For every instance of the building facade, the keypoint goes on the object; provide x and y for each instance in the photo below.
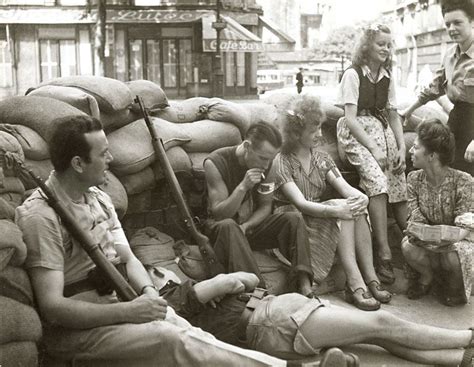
(420, 39)
(171, 42)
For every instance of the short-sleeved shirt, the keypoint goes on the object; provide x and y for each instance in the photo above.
(51, 246)
(287, 168)
(348, 89)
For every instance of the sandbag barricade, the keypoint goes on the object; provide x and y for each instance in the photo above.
(183, 111)
(114, 188)
(218, 109)
(37, 113)
(154, 98)
(33, 145)
(132, 148)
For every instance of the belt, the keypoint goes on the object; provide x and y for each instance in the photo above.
(253, 299)
(80, 286)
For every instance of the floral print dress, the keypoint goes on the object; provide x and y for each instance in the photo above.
(441, 204)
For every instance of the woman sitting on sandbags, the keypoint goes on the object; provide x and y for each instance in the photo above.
(302, 173)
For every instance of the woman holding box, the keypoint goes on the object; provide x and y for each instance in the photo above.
(437, 195)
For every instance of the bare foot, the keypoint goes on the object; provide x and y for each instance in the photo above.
(218, 286)
(250, 280)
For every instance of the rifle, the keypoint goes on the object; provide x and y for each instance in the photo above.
(213, 266)
(117, 281)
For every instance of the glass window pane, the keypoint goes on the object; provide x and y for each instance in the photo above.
(169, 63)
(49, 62)
(229, 69)
(120, 56)
(6, 73)
(240, 59)
(153, 61)
(136, 60)
(185, 62)
(67, 52)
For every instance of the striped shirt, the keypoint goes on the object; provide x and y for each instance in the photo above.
(455, 78)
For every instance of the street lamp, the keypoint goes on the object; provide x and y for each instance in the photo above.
(218, 25)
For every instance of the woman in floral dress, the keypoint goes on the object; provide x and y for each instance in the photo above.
(301, 174)
(371, 135)
(438, 194)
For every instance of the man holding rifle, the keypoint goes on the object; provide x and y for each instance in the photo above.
(83, 316)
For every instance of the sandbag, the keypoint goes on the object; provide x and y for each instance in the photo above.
(197, 160)
(424, 112)
(7, 210)
(37, 113)
(152, 246)
(42, 169)
(12, 184)
(183, 111)
(8, 144)
(139, 181)
(221, 110)
(19, 322)
(75, 97)
(33, 145)
(132, 148)
(21, 354)
(117, 119)
(15, 284)
(208, 135)
(280, 100)
(190, 260)
(12, 238)
(333, 113)
(154, 98)
(262, 112)
(179, 161)
(111, 94)
(140, 203)
(114, 188)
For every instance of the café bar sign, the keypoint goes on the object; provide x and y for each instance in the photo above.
(232, 45)
(154, 16)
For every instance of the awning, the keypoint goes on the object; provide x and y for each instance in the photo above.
(274, 39)
(45, 16)
(233, 38)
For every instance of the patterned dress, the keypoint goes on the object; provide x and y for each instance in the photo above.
(323, 232)
(441, 205)
(373, 180)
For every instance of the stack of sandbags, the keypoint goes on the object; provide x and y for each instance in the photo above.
(153, 97)
(108, 99)
(183, 111)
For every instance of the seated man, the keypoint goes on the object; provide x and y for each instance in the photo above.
(78, 322)
(293, 326)
(241, 208)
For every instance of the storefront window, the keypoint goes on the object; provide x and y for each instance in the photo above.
(229, 69)
(57, 58)
(153, 61)
(136, 60)
(6, 73)
(240, 64)
(185, 62)
(169, 63)
(235, 69)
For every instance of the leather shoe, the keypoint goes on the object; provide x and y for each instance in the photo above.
(362, 299)
(379, 293)
(334, 357)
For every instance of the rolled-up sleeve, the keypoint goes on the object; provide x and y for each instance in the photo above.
(436, 88)
(348, 91)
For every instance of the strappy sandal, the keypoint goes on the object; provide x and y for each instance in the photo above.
(362, 299)
(379, 293)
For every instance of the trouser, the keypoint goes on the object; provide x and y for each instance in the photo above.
(461, 123)
(299, 88)
(285, 231)
(173, 342)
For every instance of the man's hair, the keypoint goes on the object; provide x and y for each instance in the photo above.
(437, 138)
(304, 111)
(68, 140)
(467, 6)
(261, 132)
(364, 45)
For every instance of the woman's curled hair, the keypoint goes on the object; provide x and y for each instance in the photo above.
(305, 110)
(437, 138)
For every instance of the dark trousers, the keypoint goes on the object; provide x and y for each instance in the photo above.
(285, 231)
(461, 123)
(299, 88)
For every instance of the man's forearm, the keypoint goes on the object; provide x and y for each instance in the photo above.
(229, 207)
(258, 217)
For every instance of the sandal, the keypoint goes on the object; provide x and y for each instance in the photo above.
(385, 272)
(334, 357)
(362, 299)
(418, 290)
(379, 293)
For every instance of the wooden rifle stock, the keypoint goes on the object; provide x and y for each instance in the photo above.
(213, 266)
(124, 290)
